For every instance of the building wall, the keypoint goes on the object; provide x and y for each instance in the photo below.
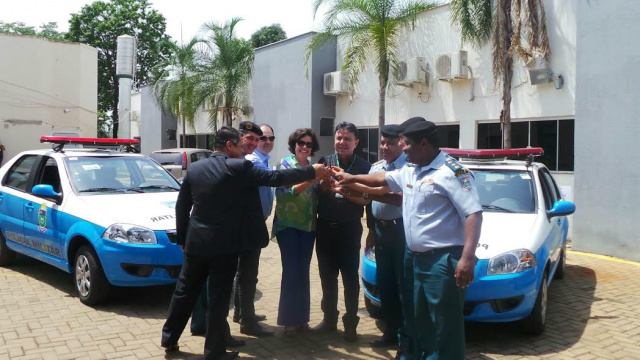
(607, 127)
(154, 124)
(46, 87)
(284, 97)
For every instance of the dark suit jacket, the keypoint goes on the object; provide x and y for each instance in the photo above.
(214, 208)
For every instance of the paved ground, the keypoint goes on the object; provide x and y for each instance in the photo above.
(594, 313)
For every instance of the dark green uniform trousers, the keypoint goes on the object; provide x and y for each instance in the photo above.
(436, 328)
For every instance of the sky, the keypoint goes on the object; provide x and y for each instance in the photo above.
(184, 17)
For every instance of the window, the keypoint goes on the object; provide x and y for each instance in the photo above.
(49, 175)
(556, 137)
(449, 136)
(199, 141)
(18, 176)
(549, 189)
(368, 145)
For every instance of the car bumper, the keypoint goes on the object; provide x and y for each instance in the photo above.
(127, 264)
(368, 271)
(501, 298)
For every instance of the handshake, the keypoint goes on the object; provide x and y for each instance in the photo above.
(323, 172)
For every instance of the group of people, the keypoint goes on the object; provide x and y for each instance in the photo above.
(423, 216)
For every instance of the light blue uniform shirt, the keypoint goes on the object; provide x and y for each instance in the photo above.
(435, 202)
(382, 211)
(261, 161)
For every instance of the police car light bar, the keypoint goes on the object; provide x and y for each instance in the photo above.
(87, 141)
(494, 153)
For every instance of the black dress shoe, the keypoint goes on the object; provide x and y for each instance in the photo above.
(170, 347)
(258, 317)
(232, 342)
(385, 341)
(256, 329)
(325, 327)
(229, 355)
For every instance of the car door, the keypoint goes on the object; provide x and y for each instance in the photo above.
(551, 194)
(13, 200)
(42, 216)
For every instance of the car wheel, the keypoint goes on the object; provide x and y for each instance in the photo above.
(91, 284)
(562, 262)
(535, 323)
(6, 255)
(374, 311)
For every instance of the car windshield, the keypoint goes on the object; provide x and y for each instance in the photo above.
(167, 158)
(505, 190)
(100, 174)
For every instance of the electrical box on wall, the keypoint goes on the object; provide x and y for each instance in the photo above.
(452, 65)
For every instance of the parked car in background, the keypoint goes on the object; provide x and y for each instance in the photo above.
(177, 161)
(107, 217)
(522, 245)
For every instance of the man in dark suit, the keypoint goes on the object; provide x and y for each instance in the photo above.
(211, 218)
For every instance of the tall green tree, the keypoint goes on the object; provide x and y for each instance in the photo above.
(48, 30)
(99, 24)
(223, 81)
(511, 20)
(267, 35)
(370, 29)
(174, 83)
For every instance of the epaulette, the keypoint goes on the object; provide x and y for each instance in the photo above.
(455, 166)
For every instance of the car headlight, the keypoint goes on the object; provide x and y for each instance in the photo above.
(370, 253)
(127, 233)
(511, 262)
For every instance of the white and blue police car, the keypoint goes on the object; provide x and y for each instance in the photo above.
(107, 217)
(522, 246)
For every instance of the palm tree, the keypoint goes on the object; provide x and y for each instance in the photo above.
(174, 83)
(369, 27)
(511, 18)
(223, 79)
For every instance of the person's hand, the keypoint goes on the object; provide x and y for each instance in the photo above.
(344, 177)
(464, 272)
(322, 172)
(371, 239)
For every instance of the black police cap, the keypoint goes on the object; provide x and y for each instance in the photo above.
(250, 126)
(423, 127)
(410, 122)
(390, 131)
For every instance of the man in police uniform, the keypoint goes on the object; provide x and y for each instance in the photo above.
(442, 219)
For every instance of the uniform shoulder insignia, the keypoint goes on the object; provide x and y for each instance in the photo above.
(455, 166)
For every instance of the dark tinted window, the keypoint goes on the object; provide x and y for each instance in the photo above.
(368, 145)
(49, 175)
(167, 158)
(18, 176)
(449, 136)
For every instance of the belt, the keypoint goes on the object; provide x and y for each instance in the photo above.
(397, 221)
(335, 224)
(438, 250)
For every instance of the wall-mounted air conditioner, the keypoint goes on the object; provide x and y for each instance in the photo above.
(412, 70)
(336, 83)
(452, 65)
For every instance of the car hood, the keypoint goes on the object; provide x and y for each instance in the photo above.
(155, 211)
(502, 232)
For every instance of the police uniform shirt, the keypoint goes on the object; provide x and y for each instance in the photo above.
(382, 211)
(436, 200)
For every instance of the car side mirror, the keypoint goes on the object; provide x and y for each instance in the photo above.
(47, 192)
(562, 208)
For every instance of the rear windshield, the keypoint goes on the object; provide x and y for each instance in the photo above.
(505, 191)
(167, 158)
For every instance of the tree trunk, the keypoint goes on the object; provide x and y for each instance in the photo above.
(505, 114)
(381, 110)
(184, 133)
(114, 109)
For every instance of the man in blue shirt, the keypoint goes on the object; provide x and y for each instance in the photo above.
(260, 159)
(442, 218)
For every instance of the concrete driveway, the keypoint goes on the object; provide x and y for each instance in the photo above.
(594, 313)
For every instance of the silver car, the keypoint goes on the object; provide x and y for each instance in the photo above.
(177, 161)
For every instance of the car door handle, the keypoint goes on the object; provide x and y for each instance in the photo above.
(29, 207)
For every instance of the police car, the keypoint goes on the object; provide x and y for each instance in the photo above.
(522, 246)
(107, 217)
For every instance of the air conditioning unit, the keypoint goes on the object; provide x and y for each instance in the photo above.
(336, 83)
(412, 70)
(452, 65)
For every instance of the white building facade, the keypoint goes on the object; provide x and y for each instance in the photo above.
(46, 88)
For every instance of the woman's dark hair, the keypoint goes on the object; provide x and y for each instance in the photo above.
(226, 134)
(299, 134)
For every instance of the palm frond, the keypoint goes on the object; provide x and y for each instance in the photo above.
(474, 19)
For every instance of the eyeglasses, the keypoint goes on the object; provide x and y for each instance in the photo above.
(265, 138)
(304, 143)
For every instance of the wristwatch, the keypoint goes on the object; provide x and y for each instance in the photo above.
(365, 196)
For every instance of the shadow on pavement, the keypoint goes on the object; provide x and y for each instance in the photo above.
(569, 309)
